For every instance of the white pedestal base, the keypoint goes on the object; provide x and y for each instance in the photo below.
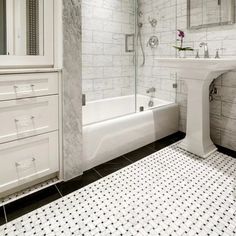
(197, 139)
(197, 149)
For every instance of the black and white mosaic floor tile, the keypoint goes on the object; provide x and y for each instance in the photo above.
(170, 192)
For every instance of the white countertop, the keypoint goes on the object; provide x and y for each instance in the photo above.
(28, 70)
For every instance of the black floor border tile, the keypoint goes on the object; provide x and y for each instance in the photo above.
(226, 151)
(2, 216)
(151, 148)
(169, 140)
(112, 166)
(70, 186)
(32, 202)
(139, 154)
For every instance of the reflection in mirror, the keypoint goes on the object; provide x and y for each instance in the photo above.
(195, 13)
(226, 10)
(210, 12)
(2, 27)
(205, 13)
(21, 27)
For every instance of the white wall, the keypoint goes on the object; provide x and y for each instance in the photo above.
(108, 71)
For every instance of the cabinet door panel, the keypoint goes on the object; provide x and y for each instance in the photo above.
(27, 160)
(28, 117)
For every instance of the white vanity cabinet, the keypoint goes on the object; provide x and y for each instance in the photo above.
(27, 160)
(16, 86)
(29, 129)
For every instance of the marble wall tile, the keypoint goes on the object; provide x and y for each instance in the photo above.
(72, 90)
(215, 135)
(228, 124)
(229, 110)
(228, 139)
(229, 79)
(104, 25)
(228, 94)
(151, 75)
(215, 107)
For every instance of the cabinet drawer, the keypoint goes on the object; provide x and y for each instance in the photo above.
(28, 159)
(28, 85)
(28, 117)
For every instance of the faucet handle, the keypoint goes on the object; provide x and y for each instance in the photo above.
(197, 53)
(217, 52)
(217, 56)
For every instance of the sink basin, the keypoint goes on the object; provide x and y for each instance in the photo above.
(198, 75)
(185, 65)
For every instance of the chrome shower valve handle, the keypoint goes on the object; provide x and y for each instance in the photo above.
(153, 42)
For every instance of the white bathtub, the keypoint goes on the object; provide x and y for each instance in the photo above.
(105, 137)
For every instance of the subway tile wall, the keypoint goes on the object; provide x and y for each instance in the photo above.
(151, 75)
(107, 71)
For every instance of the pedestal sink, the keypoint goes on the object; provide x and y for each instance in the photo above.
(198, 75)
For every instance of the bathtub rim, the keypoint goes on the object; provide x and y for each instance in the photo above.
(130, 114)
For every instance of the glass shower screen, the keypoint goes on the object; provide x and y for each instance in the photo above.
(108, 63)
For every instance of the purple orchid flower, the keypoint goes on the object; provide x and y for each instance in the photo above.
(181, 47)
(181, 33)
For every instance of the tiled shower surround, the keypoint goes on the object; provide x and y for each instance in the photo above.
(108, 71)
(150, 75)
(172, 15)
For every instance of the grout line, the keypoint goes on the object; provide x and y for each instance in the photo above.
(5, 214)
(150, 148)
(131, 162)
(98, 173)
(58, 190)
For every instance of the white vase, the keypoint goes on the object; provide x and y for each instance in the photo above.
(182, 54)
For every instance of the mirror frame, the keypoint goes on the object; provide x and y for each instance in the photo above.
(232, 21)
(46, 60)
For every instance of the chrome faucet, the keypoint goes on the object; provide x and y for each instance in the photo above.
(206, 51)
(152, 90)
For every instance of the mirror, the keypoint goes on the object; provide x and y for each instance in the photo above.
(206, 13)
(21, 27)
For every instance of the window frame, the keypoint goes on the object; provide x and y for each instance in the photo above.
(45, 60)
